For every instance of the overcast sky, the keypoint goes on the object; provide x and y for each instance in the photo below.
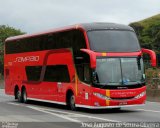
(38, 15)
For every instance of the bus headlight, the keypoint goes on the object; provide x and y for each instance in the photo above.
(140, 95)
(101, 96)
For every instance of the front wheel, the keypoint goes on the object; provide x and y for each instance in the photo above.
(72, 102)
(116, 109)
(24, 96)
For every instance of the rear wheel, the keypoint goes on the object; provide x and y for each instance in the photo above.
(24, 95)
(72, 102)
(18, 95)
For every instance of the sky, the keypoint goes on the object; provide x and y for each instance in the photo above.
(32, 16)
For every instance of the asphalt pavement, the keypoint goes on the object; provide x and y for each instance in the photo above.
(46, 115)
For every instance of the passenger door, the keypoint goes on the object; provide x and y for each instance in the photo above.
(84, 85)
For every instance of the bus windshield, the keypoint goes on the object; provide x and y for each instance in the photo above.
(113, 41)
(120, 71)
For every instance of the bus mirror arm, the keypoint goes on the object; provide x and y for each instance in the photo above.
(92, 56)
(152, 55)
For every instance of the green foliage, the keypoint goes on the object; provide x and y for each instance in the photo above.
(148, 32)
(153, 78)
(5, 32)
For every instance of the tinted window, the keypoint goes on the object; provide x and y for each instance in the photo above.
(57, 73)
(113, 41)
(84, 72)
(33, 73)
(69, 39)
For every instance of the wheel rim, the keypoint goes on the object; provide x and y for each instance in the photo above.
(24, 96)
(18, 95)
(72, 102)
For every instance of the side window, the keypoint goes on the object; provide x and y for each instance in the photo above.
(80, 72)
(83, 69)
(87, 73)
(33, 73)
(69, 39)
(84, 72)
(57, 73)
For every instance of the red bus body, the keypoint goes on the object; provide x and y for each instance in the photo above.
(56, 92)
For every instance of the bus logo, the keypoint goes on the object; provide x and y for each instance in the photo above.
(27, 59)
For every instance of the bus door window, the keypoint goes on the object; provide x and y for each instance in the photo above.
(83, 71)
(80, 73)
(87, 73)
(82, 61)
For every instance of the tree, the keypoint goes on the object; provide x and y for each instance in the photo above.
(5, 32)
(148, 31)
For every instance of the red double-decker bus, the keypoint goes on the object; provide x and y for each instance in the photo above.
(94, 65)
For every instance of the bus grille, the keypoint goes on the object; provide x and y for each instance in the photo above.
(122, 98)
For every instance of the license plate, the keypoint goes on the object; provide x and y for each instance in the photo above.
(123, 103)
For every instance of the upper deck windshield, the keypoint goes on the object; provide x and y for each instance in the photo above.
(119, 71)
(113, 41)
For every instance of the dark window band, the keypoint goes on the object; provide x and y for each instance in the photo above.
(68, 39)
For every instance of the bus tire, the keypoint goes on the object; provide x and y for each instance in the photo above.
(16, 89)
(72, 105)
(24, 95)
(116, 109)
(18, 95)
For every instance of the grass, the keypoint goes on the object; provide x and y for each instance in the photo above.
(149, 21)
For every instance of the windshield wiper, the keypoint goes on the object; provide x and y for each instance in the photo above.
(134, 83)
(103, 85)
(100, 84)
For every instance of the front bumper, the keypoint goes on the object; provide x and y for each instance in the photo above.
(107, 107)
(118, 98)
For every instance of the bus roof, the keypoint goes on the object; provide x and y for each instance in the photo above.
(84, 26)
(99, 25)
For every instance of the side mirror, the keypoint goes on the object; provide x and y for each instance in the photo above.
(152, 55)
(92, 56)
